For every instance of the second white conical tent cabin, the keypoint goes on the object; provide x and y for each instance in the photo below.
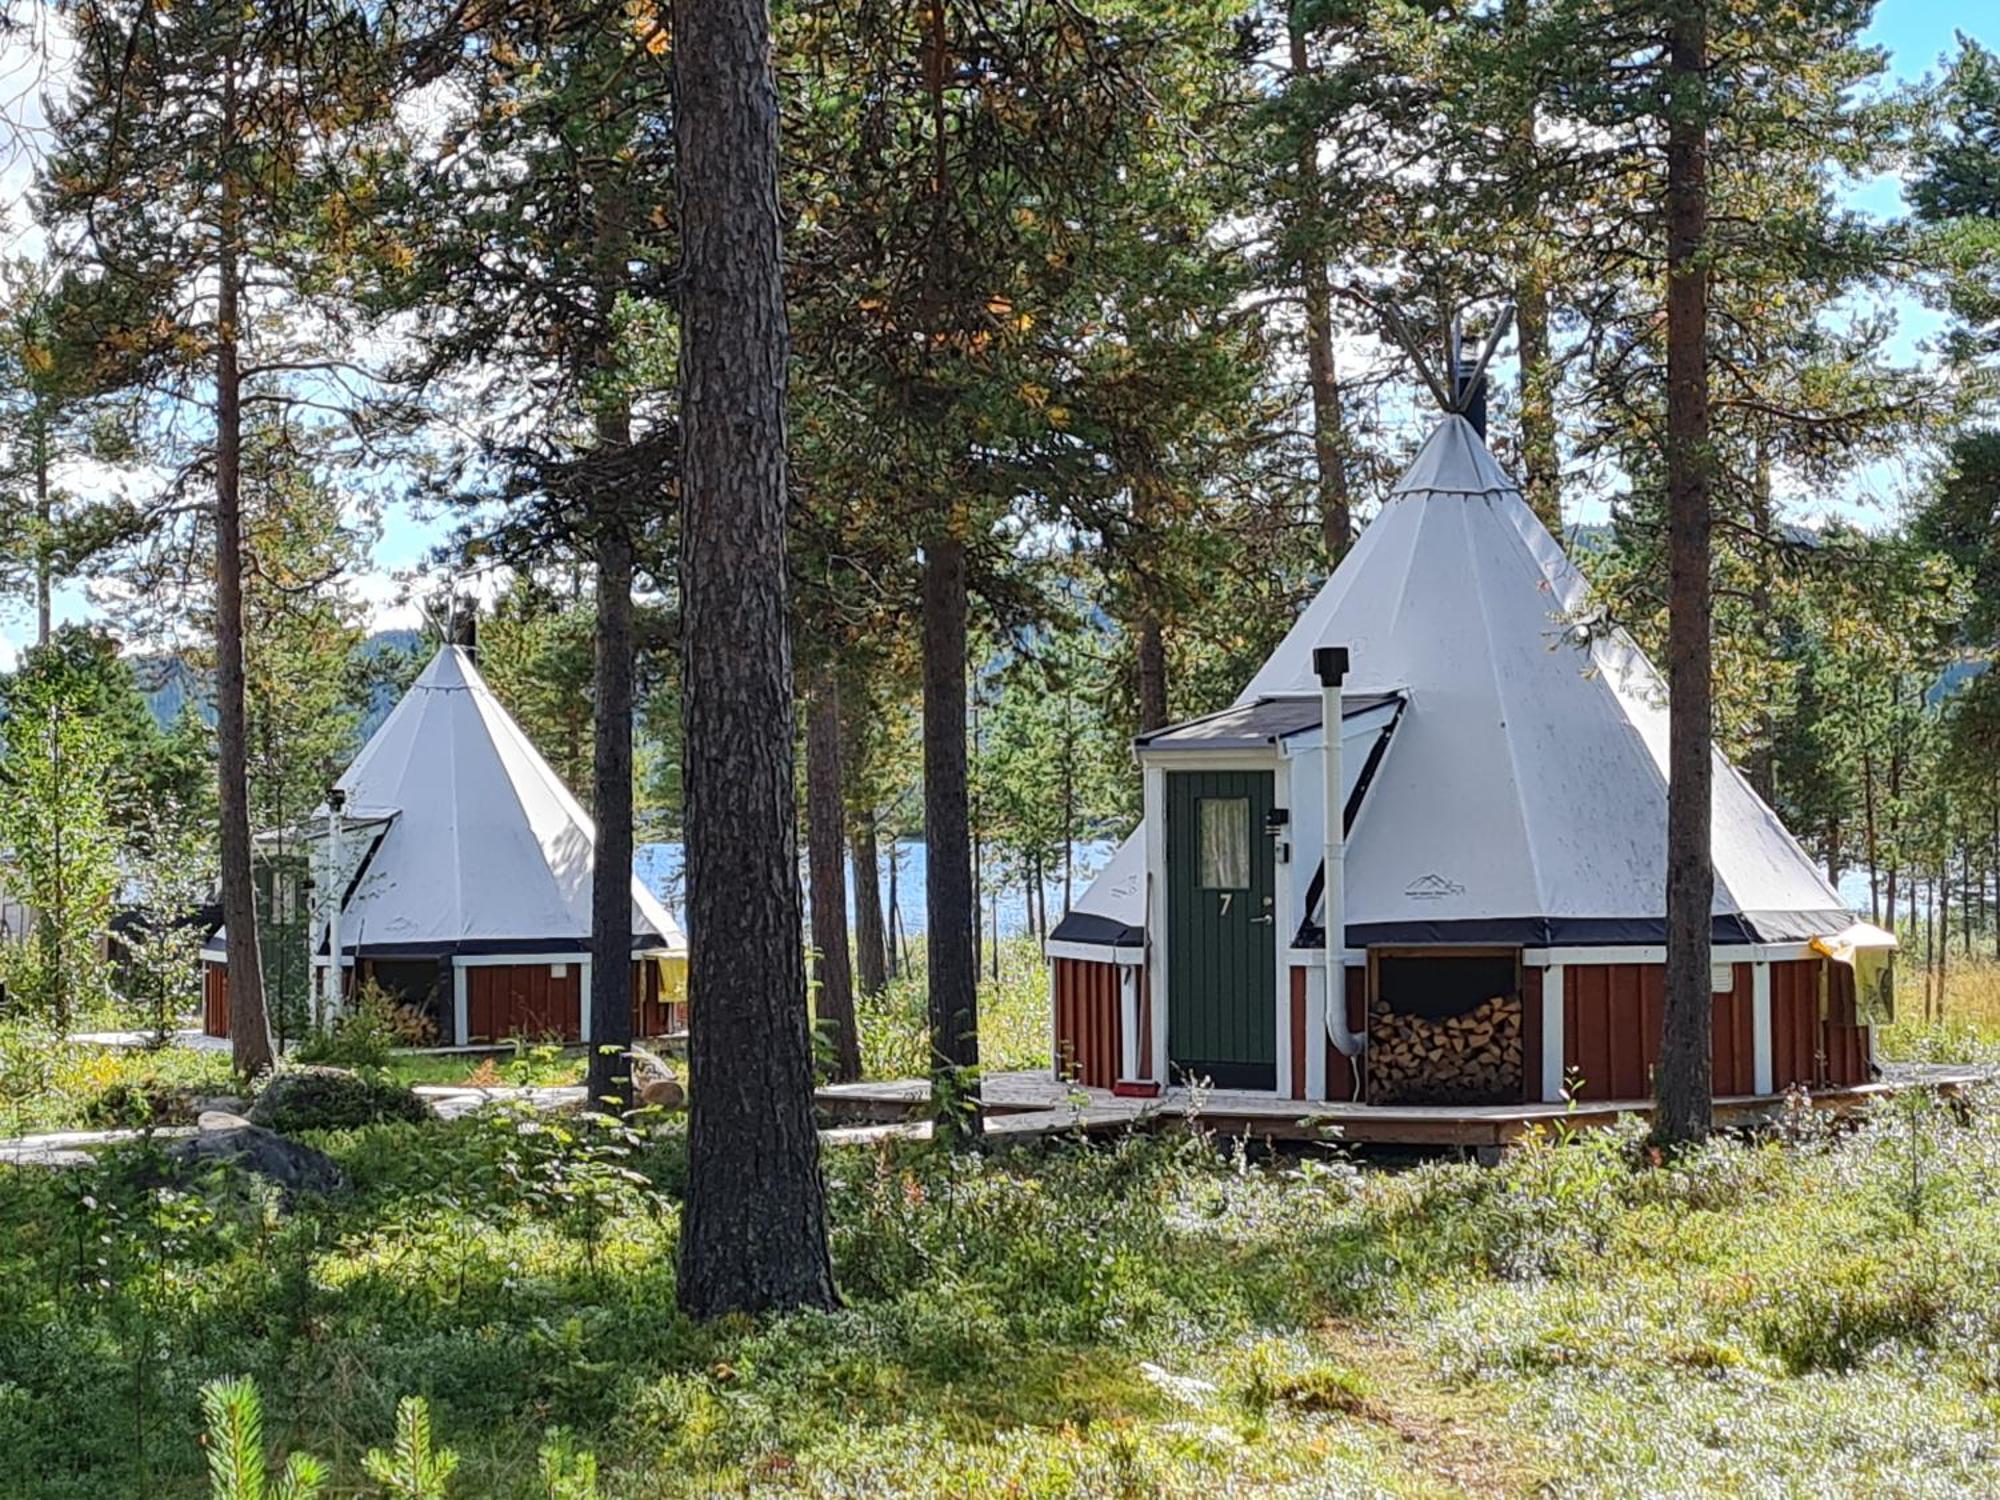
(464, 868)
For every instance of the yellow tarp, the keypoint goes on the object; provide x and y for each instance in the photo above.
(673, 978)
(1871, 953)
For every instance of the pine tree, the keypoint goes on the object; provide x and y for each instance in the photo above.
(754, 1224)
(200, 184)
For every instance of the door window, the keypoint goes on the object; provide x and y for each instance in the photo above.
(1224, 825)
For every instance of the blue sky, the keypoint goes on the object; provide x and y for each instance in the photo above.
(1916, 33)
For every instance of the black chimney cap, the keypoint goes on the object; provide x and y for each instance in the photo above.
(1330, 662)
(1469, 394)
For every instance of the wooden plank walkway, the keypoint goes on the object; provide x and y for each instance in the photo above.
(1024, 1105)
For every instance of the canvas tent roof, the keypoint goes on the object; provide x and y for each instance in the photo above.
(485, 850)
(1524, 799)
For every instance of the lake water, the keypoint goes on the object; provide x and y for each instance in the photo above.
(660, 867)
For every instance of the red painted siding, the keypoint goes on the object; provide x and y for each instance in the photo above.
(1088, 1022)
(652, 1015)
(503, 1000)
(1795, 1024)
(1611, 1028)
(1298, 1032)
(1733, 1047)
(215, 999)
(1343, 1075)
(1612, 1016)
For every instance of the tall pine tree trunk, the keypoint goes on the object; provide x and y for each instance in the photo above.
(951, 958)
(826, 852)
(249, 1026)
(1336, 526)
(1152, 674)
(753, 1225)
(1541, 477)
(45, 519)
(871, 945)
(609, 1078)
(864, 849)
(1684, 1079)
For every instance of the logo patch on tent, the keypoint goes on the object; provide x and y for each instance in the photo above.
(1432, 888)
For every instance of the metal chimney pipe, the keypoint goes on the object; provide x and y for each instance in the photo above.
(1468, 388)
(1330, 663)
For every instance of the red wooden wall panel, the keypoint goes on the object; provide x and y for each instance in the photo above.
(1088, 1022)
(215, 999)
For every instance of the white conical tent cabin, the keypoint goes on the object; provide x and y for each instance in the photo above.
(1503, 784)
(488, 850)
(1524, 796)
(466, 850)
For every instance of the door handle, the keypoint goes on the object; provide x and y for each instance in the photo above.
(1265, 919)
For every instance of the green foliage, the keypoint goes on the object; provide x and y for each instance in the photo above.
(366, 1034)
(56, 789)
(414, 1469)
(295, 1099)
(1013, 1016)
(237, 1468)
(48, 1084)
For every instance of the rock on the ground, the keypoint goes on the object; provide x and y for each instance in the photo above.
(295, 1167)
(219, 1119)
(224, 1104)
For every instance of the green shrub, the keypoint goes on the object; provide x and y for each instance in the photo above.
(296, 1099)
(368, 1032)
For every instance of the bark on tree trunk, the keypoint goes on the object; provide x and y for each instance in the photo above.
(249, 1026)
(44, 541)
(1541, 474)
(609, 1080)
(1322, 380)
(870, 936)
(753, 1226)
(1868, 837)
(1683, 1081)
(1152, 675)
(864, 849)
(951, 960)
(826, 851)
(1761, 766)
(894, 930)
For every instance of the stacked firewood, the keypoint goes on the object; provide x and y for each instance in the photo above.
(1470, 1058)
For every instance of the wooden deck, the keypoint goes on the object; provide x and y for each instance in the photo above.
(1029, 1104)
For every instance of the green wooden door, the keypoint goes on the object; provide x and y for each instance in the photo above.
(1222, 960)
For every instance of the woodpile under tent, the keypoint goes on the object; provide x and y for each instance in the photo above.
(1494, 862)
(463, 869)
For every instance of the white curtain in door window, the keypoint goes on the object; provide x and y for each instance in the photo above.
(1224, 824)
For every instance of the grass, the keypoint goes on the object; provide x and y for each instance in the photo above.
(1965, 1025)
(50, 1085)
(1810, 1313)
(1013, 1015)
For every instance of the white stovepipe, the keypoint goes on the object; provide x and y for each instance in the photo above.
(1346, 1041)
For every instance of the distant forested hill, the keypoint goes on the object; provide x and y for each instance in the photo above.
(170, 684)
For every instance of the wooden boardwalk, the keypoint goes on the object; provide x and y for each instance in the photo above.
(1025, 1105)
